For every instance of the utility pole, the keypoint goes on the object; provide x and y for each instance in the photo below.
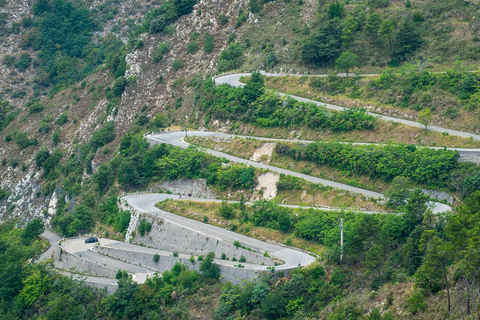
(341, 239)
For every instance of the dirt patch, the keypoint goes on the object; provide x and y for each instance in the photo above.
(264, 153)
(267, 186)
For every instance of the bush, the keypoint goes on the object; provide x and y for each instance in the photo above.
(223, 19)
(21, 138)
(102, 136)
(35, 108)
(242, 259)
(24, 62)
(226, 210)
(62, 119)
(144, 227)
(192, 47)
(163, 48)
(230, 58)
(177, 64)
(175, 254)
(119, 86)
(156, 257)
(208, 43)
(208, 268)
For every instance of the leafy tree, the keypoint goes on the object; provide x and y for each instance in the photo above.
(32, 230)
(208, 268)
(230, 58)
(346, 61)
(434, 266)
(386, 31)
(472, 184)
(323, 46)
(374, 258)
(408, 38)
(335, 10)
(398, 193)
(253, 89)
(425, 117)
(372, 26)
(415, 208)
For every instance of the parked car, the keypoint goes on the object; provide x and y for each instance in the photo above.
(91, 240)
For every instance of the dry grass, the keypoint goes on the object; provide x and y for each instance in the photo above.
(197, 210)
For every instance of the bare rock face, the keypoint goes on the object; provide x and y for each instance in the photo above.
(85, 102)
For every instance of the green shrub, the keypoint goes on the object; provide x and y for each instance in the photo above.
(175, 254)
(208, 43)
(222, 19)
(192, 47)
(23, 62)
(62, 119)
(156, 258)
(230, 58)
(144, 227)
(35, 108)
(177, 64)
(56, 137)
(119, 86)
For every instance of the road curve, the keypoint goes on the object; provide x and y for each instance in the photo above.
(177, 139)
(292, 258)
(234, 80)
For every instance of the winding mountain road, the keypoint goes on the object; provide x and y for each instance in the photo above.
(177, 139)
(146, 203)
(234, 80)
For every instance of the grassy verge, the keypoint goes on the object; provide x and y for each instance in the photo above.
(208, 212)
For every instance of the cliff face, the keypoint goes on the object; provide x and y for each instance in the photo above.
(85, 104)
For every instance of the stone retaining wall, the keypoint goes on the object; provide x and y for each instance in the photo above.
(169, 236)
(74, 263)
(232, 274)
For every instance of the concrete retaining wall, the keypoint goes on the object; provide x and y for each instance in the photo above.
(168, 236)
(195, 188)
(232, 274)
(469, 156)
(74, 263)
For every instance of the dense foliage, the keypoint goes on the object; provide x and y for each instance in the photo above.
(422, 165)
(252, 104)
(33, 291)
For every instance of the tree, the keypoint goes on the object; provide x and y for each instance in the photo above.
(32, 230)
(373, 25)
(346, 61)
(415, 207)
(434, 264)
(408, 38)
(425, 117)
(472, 184)
(253, 89)
(398, 192)
(208, 268)
(386, 31)
(374, 259)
